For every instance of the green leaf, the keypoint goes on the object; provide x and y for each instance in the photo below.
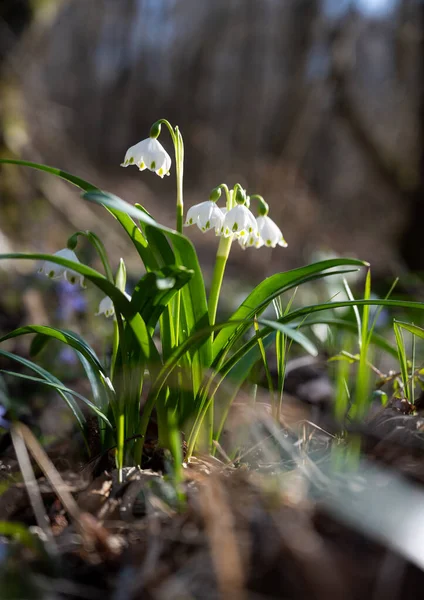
(375, 338)
(293, 334)
(236, 376)
(21, 534)
(157, 241)
(121, 303)
(308, 310)
(403, 361)
(62, 335)
(156, 289)
(193, 294)
(414, 329)
(80, 183)
(197, 338)
(59, 387)
(274, 286)
(49, 377)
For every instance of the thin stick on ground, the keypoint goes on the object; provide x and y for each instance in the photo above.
(33, 490)
(220, 528)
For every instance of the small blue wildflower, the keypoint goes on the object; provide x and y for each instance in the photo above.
(3, 422)
(71, 300)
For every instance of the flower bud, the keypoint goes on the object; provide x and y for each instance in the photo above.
(240, 195)
(155, 130)
(215, 194)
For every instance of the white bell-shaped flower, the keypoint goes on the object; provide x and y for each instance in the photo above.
(55, 271)
(149, 154)
(239, 221)
(106, 306)
(270, 233)
(250, 240)
(206, 215)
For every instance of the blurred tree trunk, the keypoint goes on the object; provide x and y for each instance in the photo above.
(15, 16)
(411, 245)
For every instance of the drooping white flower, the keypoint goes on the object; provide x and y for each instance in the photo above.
(270, 233)
(106, 306)
(149, 154)
(55, 271)
(239, 221)
(251, 240)
(206, 215)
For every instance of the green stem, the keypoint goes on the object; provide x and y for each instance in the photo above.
(179, 168)
(115, 346)
(218, 276)
(120, 426)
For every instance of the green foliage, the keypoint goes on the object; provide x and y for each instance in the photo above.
(186, 371)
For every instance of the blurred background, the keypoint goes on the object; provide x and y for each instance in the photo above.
(318, 105)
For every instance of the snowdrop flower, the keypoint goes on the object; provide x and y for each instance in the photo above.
(205, 215)
(106, 306)
(239, 221)
(149, 154)
(251, 240)
(55, 271)
(270, 233)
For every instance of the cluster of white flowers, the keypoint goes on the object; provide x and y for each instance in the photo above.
(234, 221)
(238, 222)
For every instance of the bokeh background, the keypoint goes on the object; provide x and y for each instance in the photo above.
(315, 104)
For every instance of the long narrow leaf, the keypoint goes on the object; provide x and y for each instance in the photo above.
(80, 183)
(274, 286)
(62, 388)
(61, 335)
(403, 361)
(76, 411)
(414, 329)
(375, 338)
(120, 301)
(193, 294)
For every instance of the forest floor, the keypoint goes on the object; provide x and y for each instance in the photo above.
(278, 521)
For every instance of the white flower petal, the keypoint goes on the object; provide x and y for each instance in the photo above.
(270, 232)
(240, 221)
(106, 307)
(149, 154)
(73, 277)
(55, 271)
(206, 215)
